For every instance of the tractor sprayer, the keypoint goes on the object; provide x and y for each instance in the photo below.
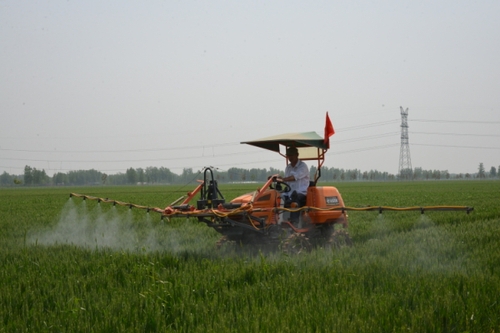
(263, 216)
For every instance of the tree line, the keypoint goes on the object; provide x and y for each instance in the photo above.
(154, 175)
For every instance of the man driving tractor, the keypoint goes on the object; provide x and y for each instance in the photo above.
(297, 177)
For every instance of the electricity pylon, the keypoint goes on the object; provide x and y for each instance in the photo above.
(405, 169)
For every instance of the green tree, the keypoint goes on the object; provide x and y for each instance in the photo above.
(141, 177)
(5, 178)
(493, 172)
(28, 175)
(40, 177)
(117, 179)
(152, 175)
(481, 173)
(131, 176)
(417, 173)
(60, 178)
(187, 175)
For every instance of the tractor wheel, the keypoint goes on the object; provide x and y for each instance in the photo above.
(340, 238)
(276, 232)
(296, 243)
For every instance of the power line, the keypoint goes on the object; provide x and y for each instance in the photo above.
(456, 134)
(368, 137)
(449, 146)
(183, 158)
(381, 123)
(238, 161)
(122, 161)
(455, 121)
(365, 149)
(227, 144)
(142, 150)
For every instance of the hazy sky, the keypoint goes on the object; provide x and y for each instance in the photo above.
(116, 84)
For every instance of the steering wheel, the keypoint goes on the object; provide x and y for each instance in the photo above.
(280, 186)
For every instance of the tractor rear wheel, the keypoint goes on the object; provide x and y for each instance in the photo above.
(296, 243)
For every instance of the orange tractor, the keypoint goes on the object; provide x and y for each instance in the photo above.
(263, 216)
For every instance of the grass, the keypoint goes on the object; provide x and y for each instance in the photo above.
(68, 266)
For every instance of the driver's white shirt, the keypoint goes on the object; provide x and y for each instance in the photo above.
(301, 174)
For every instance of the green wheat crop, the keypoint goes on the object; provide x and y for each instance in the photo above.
(73, 266)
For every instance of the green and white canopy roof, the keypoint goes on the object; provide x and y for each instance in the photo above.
(310, 145)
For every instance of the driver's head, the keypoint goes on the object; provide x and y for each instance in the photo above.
(292, 154)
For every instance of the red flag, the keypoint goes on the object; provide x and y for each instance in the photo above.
(329, 131)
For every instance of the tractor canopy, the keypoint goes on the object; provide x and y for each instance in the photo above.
(310, 145)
